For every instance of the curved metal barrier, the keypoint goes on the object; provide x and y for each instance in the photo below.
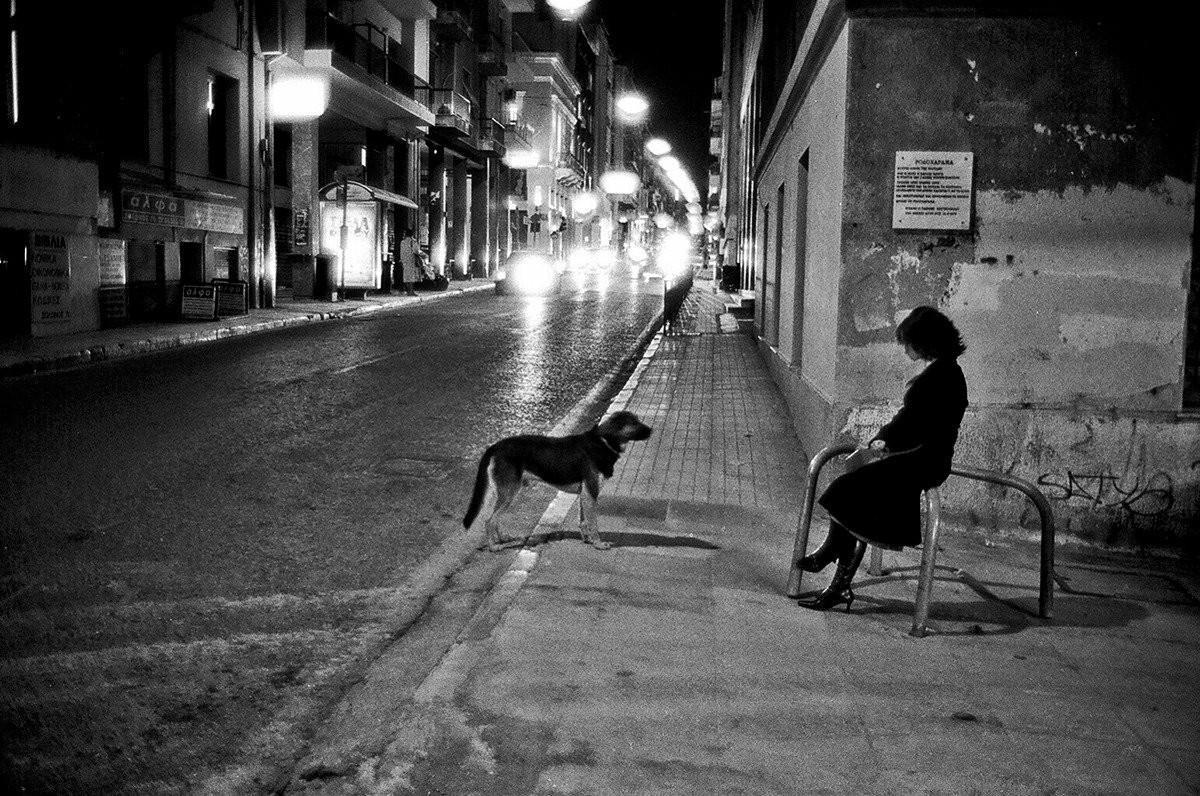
(931, 527)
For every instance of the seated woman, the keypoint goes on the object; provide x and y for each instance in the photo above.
(877, 501)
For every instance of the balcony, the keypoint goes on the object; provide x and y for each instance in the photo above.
(492, 58)
(452, 112)
(491, 137)
(364, 64)
(453, 24)
(569, 170)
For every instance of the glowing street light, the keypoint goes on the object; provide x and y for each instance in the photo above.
(632, 107)
(567, 7)
(298, 96)
(657, 147)
(620, 182)
(584, 204)
(669, 163)
(522, 158)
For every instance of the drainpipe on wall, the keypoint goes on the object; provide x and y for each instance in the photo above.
(251, 165)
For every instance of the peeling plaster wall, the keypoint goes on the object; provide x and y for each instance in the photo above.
(809, 383)
(1071, 286)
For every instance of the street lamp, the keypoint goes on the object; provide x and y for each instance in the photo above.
(297, 96)
(669, 163)
(657, 147)
(568, 8)
(621, 183)
(632, 107)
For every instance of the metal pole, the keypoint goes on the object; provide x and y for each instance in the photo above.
(802, 525)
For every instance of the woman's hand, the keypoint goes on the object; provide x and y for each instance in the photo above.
(865, 455)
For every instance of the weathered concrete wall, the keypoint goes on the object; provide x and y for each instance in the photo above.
(806, 373)
(1070, 288)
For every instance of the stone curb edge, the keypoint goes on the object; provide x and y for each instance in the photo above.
(103, 353)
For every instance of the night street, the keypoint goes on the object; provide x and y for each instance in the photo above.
(199, 543)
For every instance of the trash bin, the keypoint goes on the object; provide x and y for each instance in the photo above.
(325, 284)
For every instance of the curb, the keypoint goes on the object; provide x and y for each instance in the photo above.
(103, 353)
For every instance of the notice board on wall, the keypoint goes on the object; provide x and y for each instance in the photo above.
(933, 190)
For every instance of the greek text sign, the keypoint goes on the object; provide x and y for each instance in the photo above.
(199, 302)
(50, 279)
(932, 190)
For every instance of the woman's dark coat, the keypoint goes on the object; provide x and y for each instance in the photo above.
(880, 502)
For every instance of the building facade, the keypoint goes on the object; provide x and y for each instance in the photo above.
(1028, 169)
(162, 167)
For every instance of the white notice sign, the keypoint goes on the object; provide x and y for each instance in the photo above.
(932, 190)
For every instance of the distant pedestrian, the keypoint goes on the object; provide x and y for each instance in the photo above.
(877, 501)
(408, 254)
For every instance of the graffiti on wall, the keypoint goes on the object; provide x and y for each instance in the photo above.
(1142, 497)
(1101, 489)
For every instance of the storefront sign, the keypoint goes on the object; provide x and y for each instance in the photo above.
(151, 208)
(50, 279)
(213, 217)
(114, 305)
(199, 302)
(146, 207)
(932, 190)
(113, 268)
(231, 299)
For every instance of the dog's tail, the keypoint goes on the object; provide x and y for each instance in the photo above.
(477, 494)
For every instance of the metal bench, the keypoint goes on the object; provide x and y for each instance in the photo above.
(930, 535)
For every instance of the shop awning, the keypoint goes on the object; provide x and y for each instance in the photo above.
(357, 191)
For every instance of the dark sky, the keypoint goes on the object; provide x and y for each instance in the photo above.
(673, 51)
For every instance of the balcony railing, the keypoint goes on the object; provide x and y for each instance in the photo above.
(569, 169)
(491, 136)
(452, 110)
(367, 47)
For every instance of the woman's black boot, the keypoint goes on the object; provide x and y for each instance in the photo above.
(818, 559)
(838, 591)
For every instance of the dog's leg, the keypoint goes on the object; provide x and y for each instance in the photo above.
(503, 482)
(589, 529)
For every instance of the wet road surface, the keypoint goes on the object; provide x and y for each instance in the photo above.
(200, 546)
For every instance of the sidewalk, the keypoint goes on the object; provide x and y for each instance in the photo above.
(37, 354)
(673, 664)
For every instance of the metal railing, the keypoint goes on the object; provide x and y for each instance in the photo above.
(930, 537)
(369, 48)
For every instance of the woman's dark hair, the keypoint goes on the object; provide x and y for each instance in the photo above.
(931, 334)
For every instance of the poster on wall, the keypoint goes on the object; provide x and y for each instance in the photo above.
(361, 267)
(932, 190)
(111, 253)
(50, 279)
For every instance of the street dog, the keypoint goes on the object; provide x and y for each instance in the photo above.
(574, 464)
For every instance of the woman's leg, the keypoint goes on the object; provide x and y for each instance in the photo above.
(835, 541)
(838, 591)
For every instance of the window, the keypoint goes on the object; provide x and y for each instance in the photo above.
(801, 260)
(776, 276)
(221, 105)
(133, 107)
(1191, 360)
(12, 105)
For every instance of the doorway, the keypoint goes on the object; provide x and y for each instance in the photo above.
(15, 312)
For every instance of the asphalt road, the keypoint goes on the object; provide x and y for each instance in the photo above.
(202, 547)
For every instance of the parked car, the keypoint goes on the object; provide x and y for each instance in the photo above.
(528, 273)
